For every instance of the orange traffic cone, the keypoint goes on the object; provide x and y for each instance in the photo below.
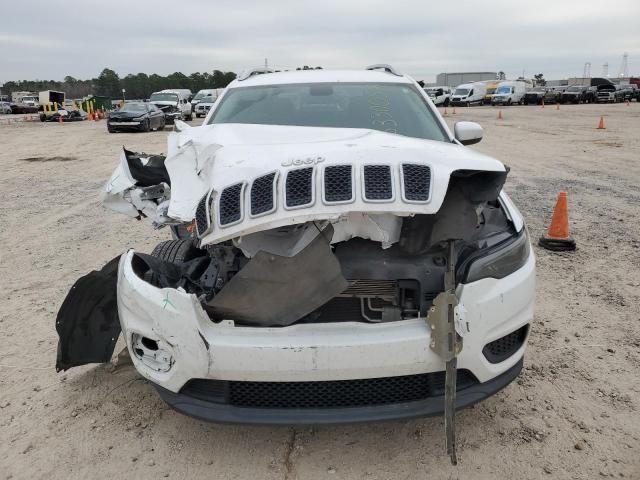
(499, 114)
(96, 117)
(558, 237)
(601, 124)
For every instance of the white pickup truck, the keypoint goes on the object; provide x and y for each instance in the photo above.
(439, 95)
(174, 103)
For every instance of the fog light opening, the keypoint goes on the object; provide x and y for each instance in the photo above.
(150, 344)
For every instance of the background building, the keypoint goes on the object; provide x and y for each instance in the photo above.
(458, 78)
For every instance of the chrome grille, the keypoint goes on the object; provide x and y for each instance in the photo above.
(262, 194)
(338, 183)
(229, 206)
(417, 181)
(298, 187)
(377, 182)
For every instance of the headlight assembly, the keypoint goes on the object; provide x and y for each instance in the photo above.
(499, 261)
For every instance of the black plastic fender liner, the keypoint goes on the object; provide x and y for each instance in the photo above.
(87, 322)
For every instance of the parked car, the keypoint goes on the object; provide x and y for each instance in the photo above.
(5, 108)
(509, 92)
(204, 105)
(534, 96)
(552, 95)
(577, 94)
(314, 287)
(440, 96)
(23, 108)
(628, 91)
(469, 94)
(609, 94)
(174, 104)
(140, 116)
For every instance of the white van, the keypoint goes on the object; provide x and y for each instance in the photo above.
(174, 103)
(439, 95)
(468, 94)
(509, 92)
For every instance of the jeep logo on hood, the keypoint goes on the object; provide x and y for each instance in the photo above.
(302, 161)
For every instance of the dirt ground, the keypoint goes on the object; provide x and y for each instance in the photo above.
(573, 412)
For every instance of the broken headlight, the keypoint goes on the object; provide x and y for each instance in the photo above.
(499, 261)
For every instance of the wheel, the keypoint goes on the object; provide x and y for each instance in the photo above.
(111, 130)
(508, 102)
(146, 125)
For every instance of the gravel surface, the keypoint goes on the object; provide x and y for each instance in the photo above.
(573, 412)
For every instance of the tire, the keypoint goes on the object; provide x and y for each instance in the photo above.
(174, 251)
(509, 103)
(111, 130)
(146, 126)
(177, 251)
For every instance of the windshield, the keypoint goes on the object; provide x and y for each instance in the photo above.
(393, 108)
(538, 89)
(574, 89)
(461, 91)
(207, 99)
(134, 107)
(503, 90)
(202, 95)
(491, 90)
(164, 97)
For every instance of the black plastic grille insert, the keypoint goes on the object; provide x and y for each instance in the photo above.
(262, 194)
(338, 183)
(202, 219)
(329, 394)
(502, 348)
(417, 181)
(377, 182)
(298, 187)
(230, 204)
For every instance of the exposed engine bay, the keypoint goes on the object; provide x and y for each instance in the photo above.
(357, 266)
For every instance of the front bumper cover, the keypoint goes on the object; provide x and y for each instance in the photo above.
(225, 413)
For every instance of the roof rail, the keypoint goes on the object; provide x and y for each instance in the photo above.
(385, 67)
(253, 71)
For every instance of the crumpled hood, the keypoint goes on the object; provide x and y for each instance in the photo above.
(215, 157)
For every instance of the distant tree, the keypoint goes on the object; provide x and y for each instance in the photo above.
(108, 84)
(539, 78)
(501, 75)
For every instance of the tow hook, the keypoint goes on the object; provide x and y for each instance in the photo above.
(446, 343)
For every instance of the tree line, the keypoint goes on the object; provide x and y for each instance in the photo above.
(109, 84)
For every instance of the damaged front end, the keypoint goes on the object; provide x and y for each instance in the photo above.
(300, 271)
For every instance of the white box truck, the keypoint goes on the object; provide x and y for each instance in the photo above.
(510, 92)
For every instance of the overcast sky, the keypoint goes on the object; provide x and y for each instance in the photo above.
(53, 38)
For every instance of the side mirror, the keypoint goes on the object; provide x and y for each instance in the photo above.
(467, 133)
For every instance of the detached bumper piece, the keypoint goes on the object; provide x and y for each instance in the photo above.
(341, 401)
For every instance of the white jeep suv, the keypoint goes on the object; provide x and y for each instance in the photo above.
(339, 248)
